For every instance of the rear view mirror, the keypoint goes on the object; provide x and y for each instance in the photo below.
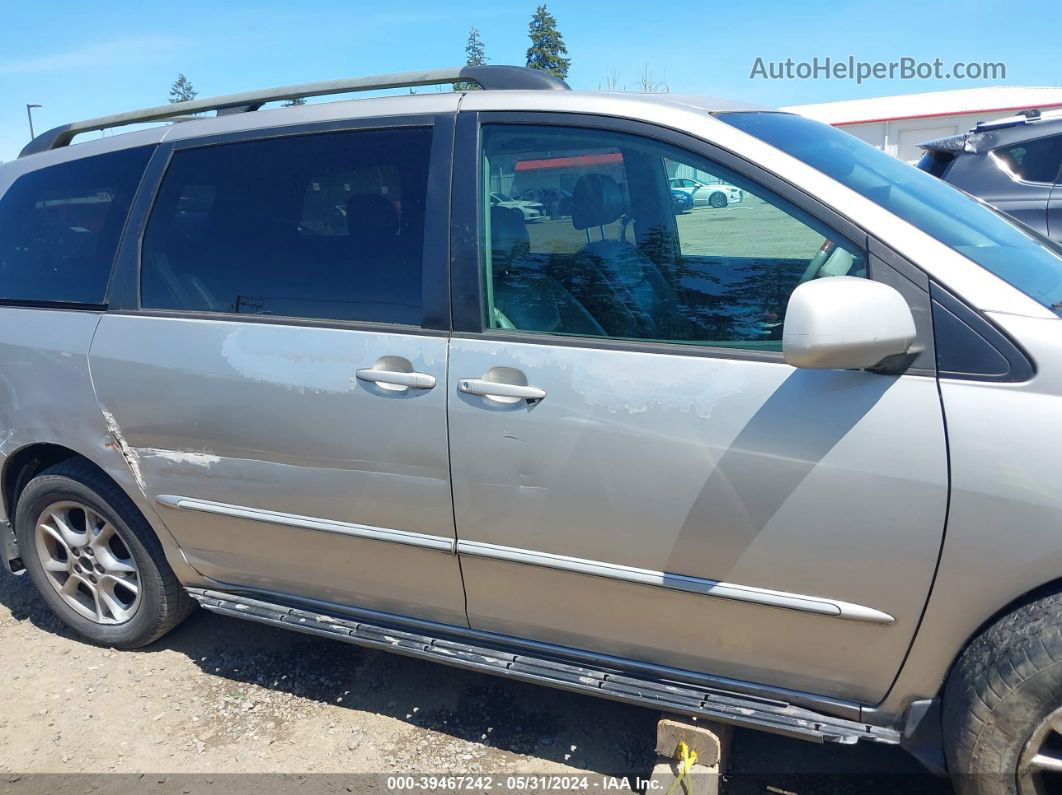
(845, 323)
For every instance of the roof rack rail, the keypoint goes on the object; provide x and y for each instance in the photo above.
(492, 77)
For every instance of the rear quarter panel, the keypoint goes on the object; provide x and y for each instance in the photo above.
(47, 396)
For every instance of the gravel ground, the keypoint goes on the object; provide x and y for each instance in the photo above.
(220, 696)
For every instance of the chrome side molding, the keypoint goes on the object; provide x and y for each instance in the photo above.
(824, 606)
(310, 523)
(817, 605)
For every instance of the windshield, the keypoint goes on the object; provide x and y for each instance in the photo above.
(1012, 251)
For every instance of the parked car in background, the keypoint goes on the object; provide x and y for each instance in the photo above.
(704, 195)
(531, 211)
(557, 203)
(793, 468)
(682, 200)
(1014, 164)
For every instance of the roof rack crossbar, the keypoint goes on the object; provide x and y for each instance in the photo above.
(492, 77)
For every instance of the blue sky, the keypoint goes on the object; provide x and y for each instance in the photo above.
(87, 59)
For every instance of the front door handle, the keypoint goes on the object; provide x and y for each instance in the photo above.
(396, 378)
(495, 389)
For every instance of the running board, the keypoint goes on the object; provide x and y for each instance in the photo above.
(777, 717)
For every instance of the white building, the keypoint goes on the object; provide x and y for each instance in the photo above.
(898, 124)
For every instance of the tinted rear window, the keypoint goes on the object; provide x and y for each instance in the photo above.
(1034, 161)
(1012, 251)
(326, 226)
(936, 162)
(60, 226)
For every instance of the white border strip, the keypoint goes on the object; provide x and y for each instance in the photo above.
(678, 582)
(309, 523)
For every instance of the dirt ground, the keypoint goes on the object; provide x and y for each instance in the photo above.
(219, 697)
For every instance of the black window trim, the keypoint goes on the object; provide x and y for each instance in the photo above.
(466, 271)
(124, 294)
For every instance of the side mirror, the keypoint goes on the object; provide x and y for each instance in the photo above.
(845, 323)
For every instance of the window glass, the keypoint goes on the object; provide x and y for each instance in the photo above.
(624, 257)
(1012, 251)
(319, 226)
(60, 226)
(1033, 161)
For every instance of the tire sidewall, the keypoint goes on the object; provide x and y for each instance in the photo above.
(48, 489)
(997, 752)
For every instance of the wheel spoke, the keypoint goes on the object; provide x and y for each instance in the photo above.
(51, 564)
(55, 535)
(100, 545)
(69, 535)
(118, 611)
(1048, 762)
(127, 582)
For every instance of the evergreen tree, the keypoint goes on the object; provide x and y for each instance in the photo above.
(475, 55)
(475, 52)
(547, 49)
(182, 90)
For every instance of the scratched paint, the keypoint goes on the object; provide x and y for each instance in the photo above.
(127, 452)
(205, 460)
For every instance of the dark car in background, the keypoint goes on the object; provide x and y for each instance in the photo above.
(682, 201)
(1013, 164)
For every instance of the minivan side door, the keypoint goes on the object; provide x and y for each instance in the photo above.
(276, 373)
(636, 470)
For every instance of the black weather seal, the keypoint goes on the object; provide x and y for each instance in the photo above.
(489, 77)
(763, 714)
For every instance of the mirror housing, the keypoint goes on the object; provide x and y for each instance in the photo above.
(845, 323)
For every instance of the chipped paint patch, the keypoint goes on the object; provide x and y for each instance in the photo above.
(127, 452)
(205, 460)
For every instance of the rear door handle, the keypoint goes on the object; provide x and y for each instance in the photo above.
(479, 386)
(412, 380)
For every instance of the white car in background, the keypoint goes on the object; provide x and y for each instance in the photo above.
(718, 195)
(532, 212)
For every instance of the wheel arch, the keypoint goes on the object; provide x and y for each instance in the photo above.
(28, 461)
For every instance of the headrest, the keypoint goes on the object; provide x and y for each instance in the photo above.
(371, 217)
(596, 201)
(508, 235)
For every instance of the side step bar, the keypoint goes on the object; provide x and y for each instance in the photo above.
(777, 717)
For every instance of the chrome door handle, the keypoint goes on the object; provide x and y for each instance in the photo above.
(396, 378)
(479, 386)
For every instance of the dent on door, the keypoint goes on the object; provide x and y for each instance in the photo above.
(740, 518)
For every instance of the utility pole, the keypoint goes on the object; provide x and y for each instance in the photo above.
(29, 115)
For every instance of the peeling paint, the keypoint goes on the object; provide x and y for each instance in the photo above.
(205, 460)
(295, 361)
(127, 452)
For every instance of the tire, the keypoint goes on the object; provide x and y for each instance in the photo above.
(717, 200)
(1000, 701)
(110, 612)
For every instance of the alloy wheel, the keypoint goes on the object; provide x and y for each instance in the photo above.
(1040, 769)
(87, 563)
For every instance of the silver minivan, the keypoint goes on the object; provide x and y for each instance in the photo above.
(791, 464)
